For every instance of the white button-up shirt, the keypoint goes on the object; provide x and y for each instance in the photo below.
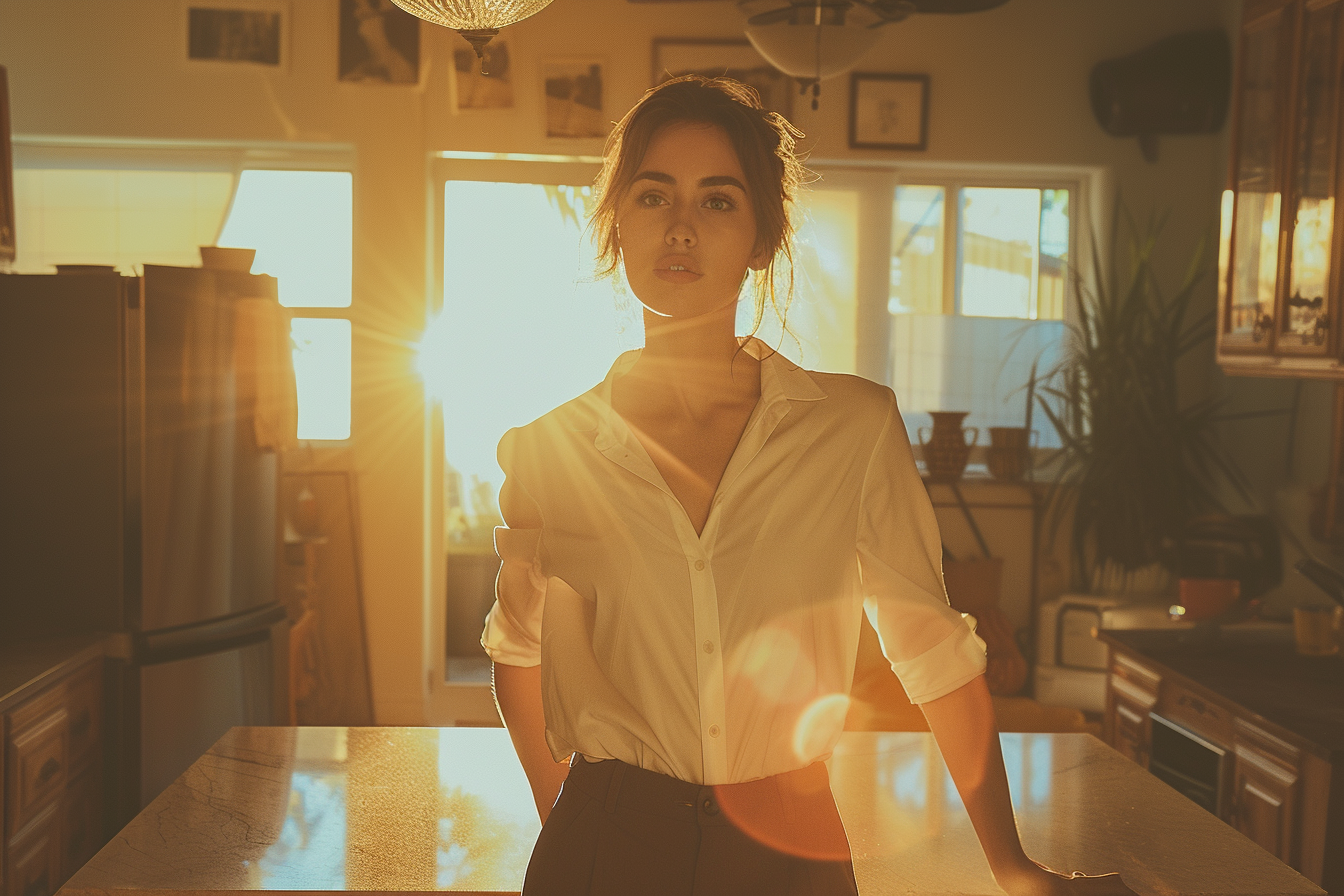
(726, 656)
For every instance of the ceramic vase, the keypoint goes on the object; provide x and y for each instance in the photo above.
(1009, 452)
(947, 447)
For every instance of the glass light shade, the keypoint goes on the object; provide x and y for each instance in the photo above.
(811, 52)
(476, 20)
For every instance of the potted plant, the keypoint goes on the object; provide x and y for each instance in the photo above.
(1137, 463)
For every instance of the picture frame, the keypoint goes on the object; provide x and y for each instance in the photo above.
(8, 240)
(888, 111)
(379, 43)
(574, 97)
(723, 57)
(236, 33)
(477, 90)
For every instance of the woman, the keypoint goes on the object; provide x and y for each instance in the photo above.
(689, 547)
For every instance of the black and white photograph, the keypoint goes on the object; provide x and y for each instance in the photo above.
(724, 58)
(238, 32)
(483, 84)
(380, 43)
(888, 111)
(573, 93)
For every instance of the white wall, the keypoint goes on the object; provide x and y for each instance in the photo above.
(1008, 85)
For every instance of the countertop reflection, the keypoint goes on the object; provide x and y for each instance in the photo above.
(423, 809)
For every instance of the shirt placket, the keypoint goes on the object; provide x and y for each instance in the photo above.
(708, 651)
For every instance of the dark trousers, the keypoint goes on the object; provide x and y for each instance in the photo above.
(618, 829)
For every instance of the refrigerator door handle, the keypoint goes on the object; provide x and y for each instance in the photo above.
(236, 630)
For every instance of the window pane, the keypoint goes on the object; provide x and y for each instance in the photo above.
(998, 241)
(1054, 258)
(917, 251)
(520, 332)
(119, 217)
(300, 224)
(322, 376)
(822, 316)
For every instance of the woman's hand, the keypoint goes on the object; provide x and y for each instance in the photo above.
(1043, 881)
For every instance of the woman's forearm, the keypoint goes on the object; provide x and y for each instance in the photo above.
(518, 696)
(963, 724)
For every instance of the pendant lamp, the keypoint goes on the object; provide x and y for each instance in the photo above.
(478, 21)
(812, 40)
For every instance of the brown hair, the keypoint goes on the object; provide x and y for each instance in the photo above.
(764, 142)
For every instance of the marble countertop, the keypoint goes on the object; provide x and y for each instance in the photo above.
(1257, 669)
(26, 666)
(423, 809)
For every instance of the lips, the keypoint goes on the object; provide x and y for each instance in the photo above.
(676, 269)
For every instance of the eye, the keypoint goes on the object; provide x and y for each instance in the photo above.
(719, 204)
(651, 200)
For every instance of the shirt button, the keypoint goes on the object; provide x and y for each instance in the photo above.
(699, 564)
(709, 647)
(713, 730)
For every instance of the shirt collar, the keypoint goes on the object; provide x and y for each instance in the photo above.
(781, 380)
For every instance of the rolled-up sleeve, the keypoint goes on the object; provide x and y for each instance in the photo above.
(512, 634)
(929, 645)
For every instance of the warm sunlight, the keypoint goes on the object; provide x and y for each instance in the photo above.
(524, 325)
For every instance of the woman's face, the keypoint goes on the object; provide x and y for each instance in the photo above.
(685, 227)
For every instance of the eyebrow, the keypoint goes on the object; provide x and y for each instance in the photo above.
(717, 180)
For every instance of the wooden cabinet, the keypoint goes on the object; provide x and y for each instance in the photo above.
(1265, 788)
(1131, 691)
(1281, 243)
(1271, 785)
(53, 783)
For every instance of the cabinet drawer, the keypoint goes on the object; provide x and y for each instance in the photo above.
(35, 859)
(1205, 717)
(1139, 676)
(84, 703)
(83, 831)
(37, 767)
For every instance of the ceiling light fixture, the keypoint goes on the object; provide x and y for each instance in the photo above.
(478, 21)
(812, 40)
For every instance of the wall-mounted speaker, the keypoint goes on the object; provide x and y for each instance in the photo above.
(1179, 85)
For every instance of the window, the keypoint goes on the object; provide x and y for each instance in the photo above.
(300, 223)
(962, 283)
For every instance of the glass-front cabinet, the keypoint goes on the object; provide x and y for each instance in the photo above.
(1280, 251)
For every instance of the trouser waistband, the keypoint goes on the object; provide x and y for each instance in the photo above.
(618, 784)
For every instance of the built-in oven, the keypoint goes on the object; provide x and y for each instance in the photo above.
(1188, 762)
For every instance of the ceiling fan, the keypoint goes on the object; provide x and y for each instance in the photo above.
(812, 40)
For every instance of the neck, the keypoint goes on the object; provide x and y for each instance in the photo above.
(695, 363)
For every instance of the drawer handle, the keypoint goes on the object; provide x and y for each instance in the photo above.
(80, 726)
(50, 769)
(38, 886)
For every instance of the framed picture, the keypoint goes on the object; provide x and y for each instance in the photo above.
(483, 84)
(737, 59)
(237, 32)
(888, 111)
(380, 43)
(8, 244)
(573, 95)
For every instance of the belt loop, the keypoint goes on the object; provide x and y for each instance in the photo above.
(614, 786)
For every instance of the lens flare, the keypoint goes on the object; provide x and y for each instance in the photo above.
(818, 724)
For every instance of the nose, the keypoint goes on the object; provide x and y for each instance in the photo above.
(680, 234)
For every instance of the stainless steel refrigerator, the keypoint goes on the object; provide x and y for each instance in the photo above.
(134, 500)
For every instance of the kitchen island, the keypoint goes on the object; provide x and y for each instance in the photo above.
(422, 809)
